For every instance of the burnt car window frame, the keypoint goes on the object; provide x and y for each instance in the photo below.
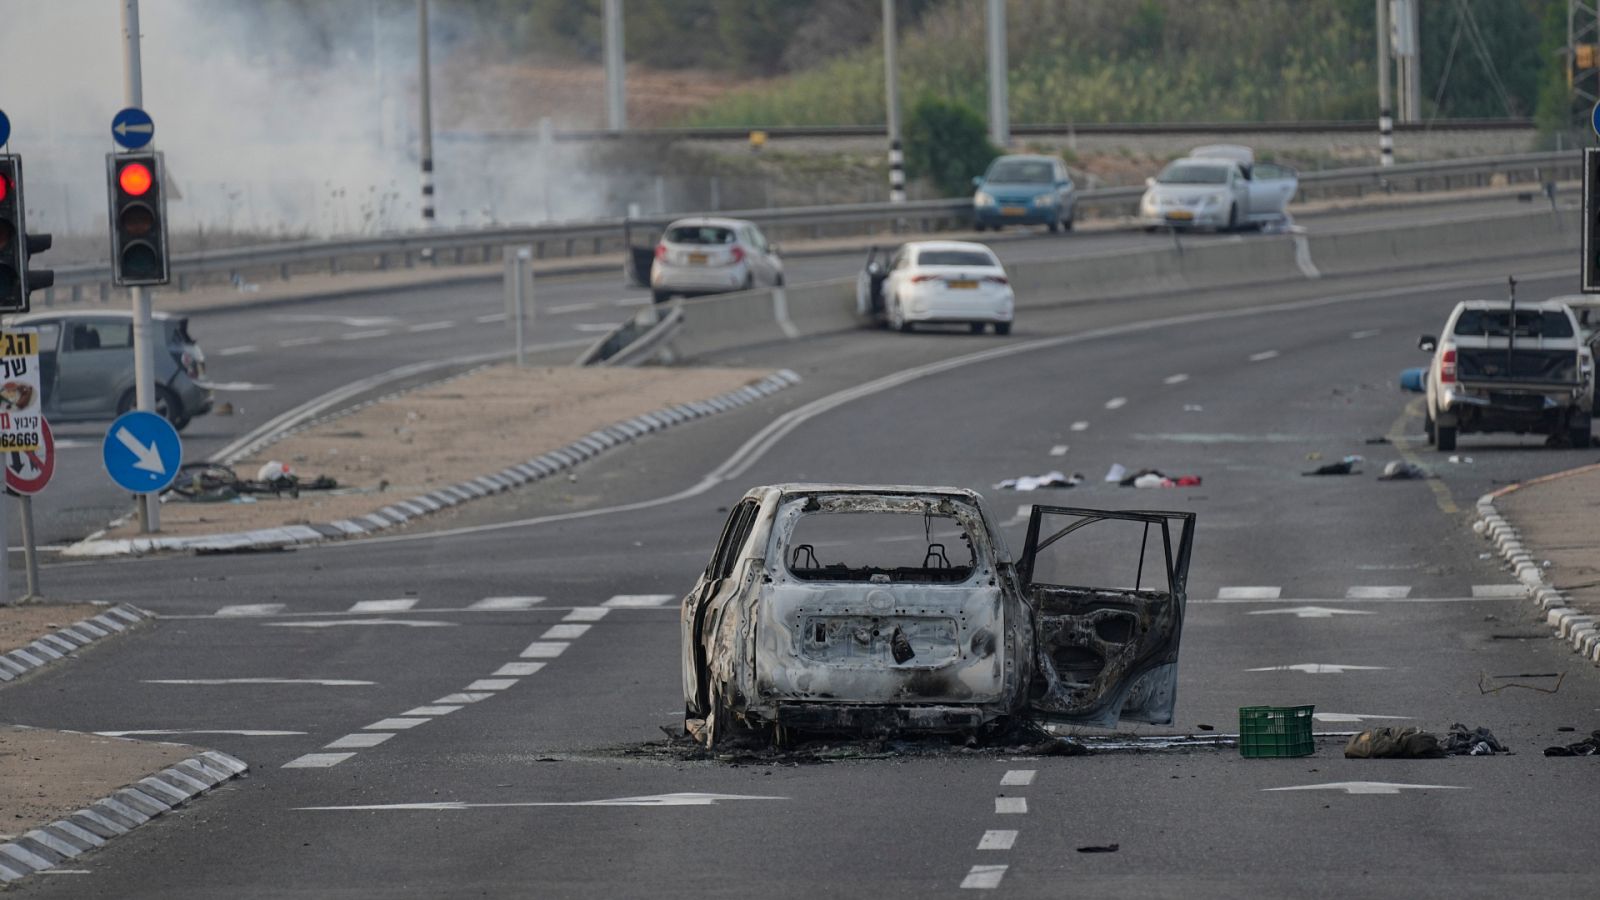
(742, 518)
(1174, 564)
(984, 553)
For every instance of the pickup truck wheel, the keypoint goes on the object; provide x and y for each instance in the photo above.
(1446, 437)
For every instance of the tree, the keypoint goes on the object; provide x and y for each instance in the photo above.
(947, 143)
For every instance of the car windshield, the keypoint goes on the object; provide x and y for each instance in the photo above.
(699, 234)
(1020, 171)
(955, 258)
(1497, 322)
(891, 547)
(1190, 173)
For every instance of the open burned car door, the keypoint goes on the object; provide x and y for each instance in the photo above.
(639, 239)
(1107, 591)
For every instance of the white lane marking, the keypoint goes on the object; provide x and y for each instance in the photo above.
(1378, 592)
(585, 614)
(592, 327)
(359, 740)
(1080, 426)
(317, 760)
(377, 606)
(1311, 612)
(1059, 450)
(67, 872)
(68, 444)
(251, 609)
(1350, 717)
(1180, 378)
(1249, 593)
(1320, 668)
(396, 724)
(506, 603)
(518, 670)
(1263, 356)
(410, 623)
(563, 632)
(236, 386)
(1363, 335)
(363, 335)
(491, 317)
(685, 799)
(325, 682)
(632, 301)
(1010, 805)
(984, 877)
(431, 326)
(235, 351)
(491, 684)
(1116, 402)
(622, 601)
(543, 650)
(300, 342)
(430, 711)
(240, 732)
(997, 839)
(349, 321)
(1018, 777)
(571, 307)
(1368, 787)
(1484, 591)
(465, 697)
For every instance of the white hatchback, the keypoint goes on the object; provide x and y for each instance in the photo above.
(706, 255)
(939, 282)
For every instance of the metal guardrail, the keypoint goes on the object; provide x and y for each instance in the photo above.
(568, 239)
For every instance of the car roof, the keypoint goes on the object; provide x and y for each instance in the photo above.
(1236, 152)
(92, 314)
(920, 246)
(1210, 162)
(1027, 157)
(713, 221)
(801, 487)
(1555, 304)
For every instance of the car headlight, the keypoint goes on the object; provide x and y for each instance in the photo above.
(983, 198)
(1211, 201)
(1045, 200)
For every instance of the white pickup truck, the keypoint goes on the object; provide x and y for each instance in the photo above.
(1534, 375)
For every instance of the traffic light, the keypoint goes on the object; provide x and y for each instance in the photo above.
(16, 244)
(138, 218)
(1589, 280)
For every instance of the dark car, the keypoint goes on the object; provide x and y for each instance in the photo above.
(86, 366)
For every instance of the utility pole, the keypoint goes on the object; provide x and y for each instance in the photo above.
(616, 75)
(1403, 22)
(999, 114)
(1385, 111)
(1414, 62)
(144, 383)
(891, 81)
(425, 121)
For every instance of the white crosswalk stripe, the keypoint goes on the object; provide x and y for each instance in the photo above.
(383, 606)
(563, 632)
(317, 760)
(1378, 592)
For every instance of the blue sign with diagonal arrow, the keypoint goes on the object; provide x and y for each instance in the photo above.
(142, 452)
(132, 128)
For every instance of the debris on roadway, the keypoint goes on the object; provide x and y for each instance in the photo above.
(1350, 465)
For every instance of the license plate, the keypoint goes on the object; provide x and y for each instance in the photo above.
(962, 285)
(1013, 210)
(697, 259)
(1181, 214)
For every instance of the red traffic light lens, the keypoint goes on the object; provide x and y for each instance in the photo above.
(5, 186)
(135, 179)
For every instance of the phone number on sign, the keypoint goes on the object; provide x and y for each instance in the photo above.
(24, 440)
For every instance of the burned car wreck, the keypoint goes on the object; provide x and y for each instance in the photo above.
(873, 610)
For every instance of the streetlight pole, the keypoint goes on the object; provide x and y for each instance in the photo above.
(425, 121)
(144, 383)
(616, 75)
(891, 81)
(999, 115)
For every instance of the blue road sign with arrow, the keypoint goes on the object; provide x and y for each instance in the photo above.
(5, 129)
(142, 452)
(132, 128)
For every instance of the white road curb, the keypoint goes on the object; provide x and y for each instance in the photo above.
(126, 809)
(1578, 629)
(403, 511)
(67, 641)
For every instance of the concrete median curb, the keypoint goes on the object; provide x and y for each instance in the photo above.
(64, 642)
(404, 511)
(1571, 625)
(122, 811)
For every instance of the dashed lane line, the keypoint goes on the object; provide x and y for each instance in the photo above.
(492, 684)
(564, 632)
(360, 740)
(1249, 593)
(518, 669)
(321, 682)
(1080, 426)
(364, 335)
(998, 839)
(317, 760)
(430, 711)
(1363, 335)
(382, 606)
(300, 342)
(398, 723)
(504, 603)
(1059, 450)
(336, 623)
(238, 732)
(491, 317)
(585, 614)
(1263, 356)
(638, 600)
(235, 351)
(1116, 402)
(252, 609)
(544, 650)
(1179, 378)
(1018, 777)
(431, 326)
(1010, 805)
(984, 877)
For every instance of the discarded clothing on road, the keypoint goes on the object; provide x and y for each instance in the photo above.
(1153, 478)
(216, 483)
(1346, 466)
(1390, 742)
(1589, 746)
(1477, 742)
(1399, 470)
(1051, 479)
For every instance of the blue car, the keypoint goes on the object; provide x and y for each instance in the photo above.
(1025, 190)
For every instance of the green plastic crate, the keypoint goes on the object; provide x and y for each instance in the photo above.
(1275, 732)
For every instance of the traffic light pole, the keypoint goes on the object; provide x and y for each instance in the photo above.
(143, 357)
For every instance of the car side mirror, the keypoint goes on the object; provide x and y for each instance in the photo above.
(874, 268)
(1427, 343)
(1150, 182)
(773, 248)
(977, 181)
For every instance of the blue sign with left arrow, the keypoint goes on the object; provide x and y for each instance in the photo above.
(142, 452)
(5, 129)
(132, 128)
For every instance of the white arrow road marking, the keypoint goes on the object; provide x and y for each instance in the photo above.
(1350, 717)
(1320, 668)
(1312, 612)
(242, 732)
(325, 682)
(147, 458)
(687, 799)
(410, 623)
(1369, 787)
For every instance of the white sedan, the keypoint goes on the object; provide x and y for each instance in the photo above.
(1219, 187)
(928, 282)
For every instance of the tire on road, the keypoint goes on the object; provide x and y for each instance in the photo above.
(1445, 436)
(1002, 328)
(168, 406)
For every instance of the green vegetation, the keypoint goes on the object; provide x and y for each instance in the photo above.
(946, 143)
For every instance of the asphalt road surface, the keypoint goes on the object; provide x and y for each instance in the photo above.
(528, 649)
